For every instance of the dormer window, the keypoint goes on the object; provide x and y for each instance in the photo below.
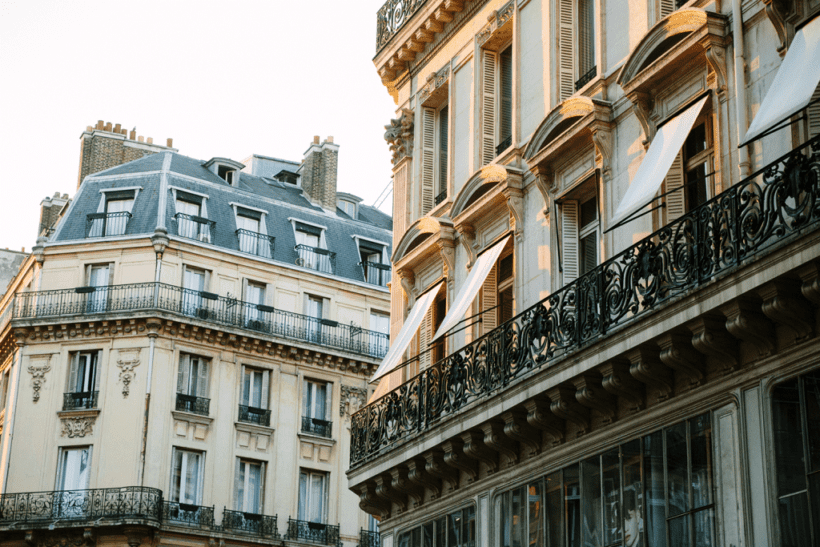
(375, 267)
(226, 169)
(311, 247)
(226, 174)
(287, 177)
(348, 204)
(348, 207)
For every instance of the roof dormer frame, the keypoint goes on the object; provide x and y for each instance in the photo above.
(214, 164)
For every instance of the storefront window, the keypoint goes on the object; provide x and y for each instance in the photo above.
(454, 530)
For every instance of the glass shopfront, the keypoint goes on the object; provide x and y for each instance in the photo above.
(456, 529)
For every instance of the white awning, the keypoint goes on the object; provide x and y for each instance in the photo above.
(479, 272)
(407, 332)
(794, 83)
(655, 165)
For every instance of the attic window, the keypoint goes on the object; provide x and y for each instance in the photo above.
(287, 177)
(348, 207)
(226, 174)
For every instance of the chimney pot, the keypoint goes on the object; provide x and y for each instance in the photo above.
(65, 196)
(133, 135)
(117, 128)
(100, 124)
(150, 140)
(56, 194)
(316, 139)
(141, 138)
(89, 128)
(170, 143)
(330, 139)
(108, 126)
(124, 131)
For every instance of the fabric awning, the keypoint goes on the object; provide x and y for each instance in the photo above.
(407, 332)
(655, 165)
(793, 85)
(479, 272)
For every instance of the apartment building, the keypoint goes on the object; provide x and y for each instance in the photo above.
(604, 308)
(181, 353)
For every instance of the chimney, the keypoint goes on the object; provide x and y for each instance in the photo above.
(50, 212)
(319, 172)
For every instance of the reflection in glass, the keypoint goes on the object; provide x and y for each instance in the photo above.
(812, 395)
(536, 520)
(632, 494)
(518, 516)
(591, 507)
(655, 510)
(676, 467)
(468, 530)
(454, 529)
(610, 462)
(427, 535)
(555, 509)
(572, 505)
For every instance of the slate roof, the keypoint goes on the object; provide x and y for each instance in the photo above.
(280, 202)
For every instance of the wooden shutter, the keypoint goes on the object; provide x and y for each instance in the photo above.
(569, 240)
(666, 7)
(443, 117)
(676, 201)
(184, 371)
(265, 389)
(586, 36)
(424, 339)
(488, 102)
(203, 378)
(566, 41)
(489, 299)
(428, 158)
(72, 372)
(813, 113)
(506, 73)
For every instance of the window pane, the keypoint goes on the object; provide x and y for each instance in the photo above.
(572, 505)
(696, 141)
(256, 400)
(303, 496)
(788, 439)
(441, 532)
(654, 485)
(468, 529)
(703, 528)
(454, 529)
(696, 179)
(555, 510)
(591, 502)
(240, 490)
(589, 252)
(190, 493)
(679, 531)
(176, 476)
(504, 519)
(677, 476)
(443, 116)
(811, 383)
(701, 446)
(536, 516)
(632, 494)
(255, 487)
(427, 535)
(506, 73)
(246, 387)
(794, 520)
(415, 538)
(519, 516)
(317, 498)
(610, 463)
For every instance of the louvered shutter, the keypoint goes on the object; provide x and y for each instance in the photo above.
(569, 240)
(506, 73)
(488, 106)
(489, 300)
(443, 120)
(566, 40)
(428, 158)
(203, 379)
(586, 36)
(813, 112)
(424, 339)
(666, 7)
(265, 389)
(184, 371)
(676, 201)
(72, 373)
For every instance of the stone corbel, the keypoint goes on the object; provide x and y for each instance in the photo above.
(617, 381)
(466, 234)
(678, 354)
(545, 182)
(777, 12)
(495, 439)
(403, 485)
(783, 303)
(475, 448)
(436, 467)
(716, 59)
(370, 503)
(385, 490)
(417, 474)
(564, 405)
(709, 337)
(408, 283)
(518, 429)
(515, 203)
(591, 394)
(540, 417)
(454, 457)
(447, 250)
(745, 321)
(602, 139)
(642, 105)
(646, 367)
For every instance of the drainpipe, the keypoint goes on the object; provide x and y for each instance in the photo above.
(11, 410)
(740, 87)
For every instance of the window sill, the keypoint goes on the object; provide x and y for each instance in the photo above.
(191, 417)
(254, 428)
(79, 413)
(316, 439)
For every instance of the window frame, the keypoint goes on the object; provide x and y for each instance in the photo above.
(186, 360)
(310, 388)
(92, 379)
(246, 387)
(61, 464)
(200, 475)
(241, 504)
(304, 514)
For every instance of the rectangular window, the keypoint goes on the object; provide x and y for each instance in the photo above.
(505, 76)
(194, 282)
(74, 471)
(380, 323)
(192, 385)
(373, 266)
(255, 297)
(312, 496)
(189, 210)
(689, 181)
(248, 486)
(82, 382)
(314, 309)
(248, 230)
(442, 122)
(98, 276)
(5, 379)
(457, 529)
(186, 476)
(312, 248)
(255, 386)
(576, 46)
(118, 210)
(580, 232)
(316, 405)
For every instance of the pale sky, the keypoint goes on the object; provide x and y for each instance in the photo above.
(221, 78)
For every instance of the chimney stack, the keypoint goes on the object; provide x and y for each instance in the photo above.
(319, 172)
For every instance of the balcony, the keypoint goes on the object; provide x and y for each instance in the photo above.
(315, 426)
(261, 526)
(255, 243)
(86, 507)
(314, 532)
(376, 273)
(370, 539)
(315, 258)
(192, 404)
(503, 145)
(390, 18)
(761, 214)
(106, 224)
(586, 78)
(440, 197)
(195, 227)
(208, 307)
(251, 415)
(186, 514)
(80, 400)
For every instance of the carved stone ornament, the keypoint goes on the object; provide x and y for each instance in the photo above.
(79, 426)
(353, 398)
(399, 135)
(128, 361)
(64, 538)
(497, 19)
(434, 81)
(38, 377)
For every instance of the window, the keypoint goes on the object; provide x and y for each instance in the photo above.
(82, 382)
(688, 182)
(439, 310)
(316, 407)
(311, 247)
(255, 297)
(375, 271)
(435, 131)
(457, 529)
(98, 277)
(580, 231)
(576, 46)
(495, 300)
(194, 282)
(186, 476)
(496, 103)
(796, 420)
(191, 216)
(312, 496)
(639, 493)
(74, 472)
(226, 173)
(112, 216)
(192, 384)
(248, 486)
(254, 401)
(348, 207)
(5, 380)
(250, 231)
(380, 323)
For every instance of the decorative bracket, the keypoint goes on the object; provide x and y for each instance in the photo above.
(38, 377)
(466, 234)
(128, 361)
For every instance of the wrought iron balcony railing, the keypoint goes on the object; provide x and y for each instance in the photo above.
(376, 273)
(440, 197)
(390, 18)
(370, 539)
(193, 404)
(255, 243)
(315, 258)
(201, 305)
(771, 207)
(80, 399)
(586, 78)
(101, 504)
(503, 145)
(194, 227)
(187, 514)
(106, 224)
(251, 415)
(250, 523)
(315, 426)
(315, 532)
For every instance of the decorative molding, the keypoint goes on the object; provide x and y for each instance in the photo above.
(497, 19)
(434, 82)
(399, 136)
(466, 234)
(77, 426)
(128, 361)
(38, 375)
(353, 398)
(778, 11)
(564, 405)
(540, 417)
